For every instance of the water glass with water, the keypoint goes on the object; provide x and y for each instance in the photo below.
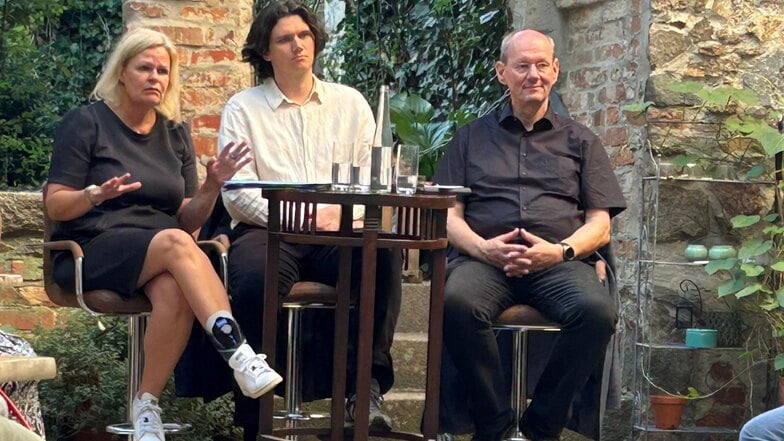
(407, 168)
(342, 156)
(360, 169)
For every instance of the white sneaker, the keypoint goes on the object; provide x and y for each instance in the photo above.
(253, 374)
(147, 425)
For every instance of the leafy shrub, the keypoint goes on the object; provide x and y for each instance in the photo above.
(90, 390)
(50, 56)
(441, 50)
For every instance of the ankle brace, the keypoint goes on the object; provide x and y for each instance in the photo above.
(226, 336)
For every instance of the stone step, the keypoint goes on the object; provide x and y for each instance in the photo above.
(414, 308)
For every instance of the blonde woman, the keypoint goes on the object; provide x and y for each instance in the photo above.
(123, 184)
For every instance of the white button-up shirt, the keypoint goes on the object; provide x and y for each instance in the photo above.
(291, 142)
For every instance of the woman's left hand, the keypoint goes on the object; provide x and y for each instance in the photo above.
(230, 159)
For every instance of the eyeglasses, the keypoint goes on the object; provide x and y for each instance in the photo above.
(525, 69)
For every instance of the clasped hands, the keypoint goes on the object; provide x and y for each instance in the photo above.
(520, 252)
(533, 254)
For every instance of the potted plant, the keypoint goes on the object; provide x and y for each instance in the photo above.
(667, 410)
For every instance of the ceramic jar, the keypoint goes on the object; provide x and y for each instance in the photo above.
(696, 252)
(721, 252)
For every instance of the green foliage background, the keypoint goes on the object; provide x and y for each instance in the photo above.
(50, 55)
(442, 50)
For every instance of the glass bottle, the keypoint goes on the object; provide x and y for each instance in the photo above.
(381, 151)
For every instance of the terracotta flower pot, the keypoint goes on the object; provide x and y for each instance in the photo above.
(667, 411)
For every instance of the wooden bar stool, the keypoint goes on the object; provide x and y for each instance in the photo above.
(520, 319)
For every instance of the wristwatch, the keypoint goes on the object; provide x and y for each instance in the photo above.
(568, 252)
(87, 191)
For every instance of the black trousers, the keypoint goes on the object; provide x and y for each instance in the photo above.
(247, 263)
(569, 293)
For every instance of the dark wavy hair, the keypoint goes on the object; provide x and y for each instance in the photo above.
(257, 43)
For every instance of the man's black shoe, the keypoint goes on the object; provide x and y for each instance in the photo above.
(533, 435)
(504, 434)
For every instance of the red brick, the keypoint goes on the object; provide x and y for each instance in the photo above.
(200, 99)
(209, 78)
(147, 10)
(636, 24)
(622, 157)
(35, 296)
(212, 56)
(616, 136)
(210, 15)
(205, 145)
(27, 319)
(8, 294)
(189, 36)
(612, 115)
(17, 266)
(610, 51)
(206, 122)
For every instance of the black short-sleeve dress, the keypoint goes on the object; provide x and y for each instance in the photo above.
(92, 145)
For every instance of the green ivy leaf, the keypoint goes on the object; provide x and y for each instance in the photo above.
(749, 290)
(754, 247)
(743, 221)
(778, 362)
(637, 108)
(730, 287)
(722, 264)
(751, 270)
(756, 171)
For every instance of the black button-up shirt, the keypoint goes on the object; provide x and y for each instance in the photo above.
(542, 180)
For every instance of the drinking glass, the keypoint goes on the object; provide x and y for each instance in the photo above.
(342, 155)
(360, 169)
(407, 168)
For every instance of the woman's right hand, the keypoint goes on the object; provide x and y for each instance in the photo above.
(64, 203)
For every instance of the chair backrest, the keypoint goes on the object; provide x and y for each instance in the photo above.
(102, 301)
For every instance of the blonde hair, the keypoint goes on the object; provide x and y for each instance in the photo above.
(131, 44)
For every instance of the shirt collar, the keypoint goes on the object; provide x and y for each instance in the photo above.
(276, 98)
(507, 120)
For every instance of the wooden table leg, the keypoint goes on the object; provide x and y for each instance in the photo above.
(367, 300)
(340, 345)
(269, 326)
(434, 345)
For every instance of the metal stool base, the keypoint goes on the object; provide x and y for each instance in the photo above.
(168, 428)
(298, 416)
